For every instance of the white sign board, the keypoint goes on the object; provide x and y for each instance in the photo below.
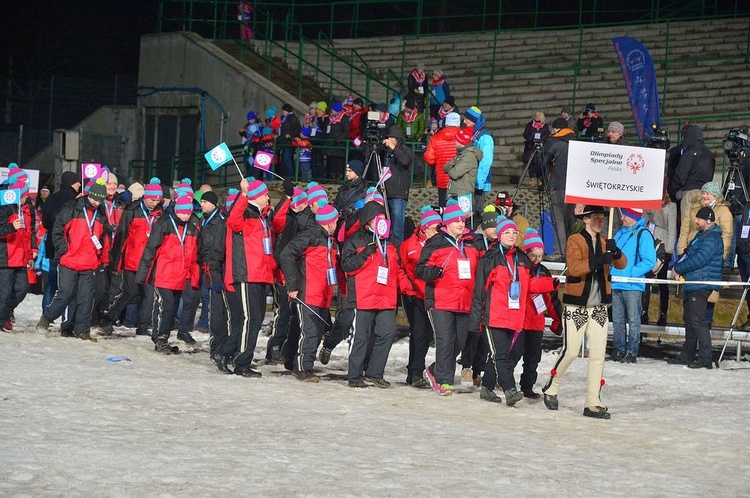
(33, 179)
(614, 175)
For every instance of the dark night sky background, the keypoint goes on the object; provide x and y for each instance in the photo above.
(91, 38)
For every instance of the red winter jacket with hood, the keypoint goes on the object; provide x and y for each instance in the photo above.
(246, 260)
(305, 262)
(71, 235)
(132, 235)
(16, 246)
(440, 150)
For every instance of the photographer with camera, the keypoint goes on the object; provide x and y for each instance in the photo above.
(399, 159)
(590, 125)
(554, 175)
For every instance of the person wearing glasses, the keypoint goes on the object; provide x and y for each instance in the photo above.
(587, 294)
(503, 282)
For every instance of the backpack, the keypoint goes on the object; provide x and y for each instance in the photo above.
(661, 252)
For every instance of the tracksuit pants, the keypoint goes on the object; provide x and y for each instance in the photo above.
(382, 325)
(591, 321)
(281, 318)
(217, 320)
(474, 354)
(166, 302)
(420, 337)
(451, 330)
(74, 289)
(312, 329)
(343, 324)
(499, 368)
(14, 285)
(131, 292)
(529, 347)
(247, 308)
(191, 298)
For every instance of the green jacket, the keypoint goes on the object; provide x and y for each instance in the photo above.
(462, 170)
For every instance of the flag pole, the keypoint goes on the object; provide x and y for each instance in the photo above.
(238, 167)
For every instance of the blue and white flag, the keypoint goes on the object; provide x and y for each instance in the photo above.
(218, 156)
(10, 196)
(640, 82)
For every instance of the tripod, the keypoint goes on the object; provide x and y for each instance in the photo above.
(374, 158)
(537, 160)
(729, 192)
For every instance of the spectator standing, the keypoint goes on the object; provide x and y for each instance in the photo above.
(690, 165)
(304, 146)
(462, 169)
(290, 130)
(567, 114)
(417, 87)
(439, 92)
(589, 257)
(449, 106)
(440, 150)
(245, 17)
(399, 159)
(637, 244)
(702, 263)
(411, 123)
(663, 225)
(554, 177)
(484, 141)
(535, 132)
(337, 133)
(615, 132)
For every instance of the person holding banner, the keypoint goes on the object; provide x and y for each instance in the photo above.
(448, 265)
(589, 257)
(399, 162)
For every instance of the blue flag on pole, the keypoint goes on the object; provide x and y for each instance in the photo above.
(640, 82)
(218, 156)
(10, 196)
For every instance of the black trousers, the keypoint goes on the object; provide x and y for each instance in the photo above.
(191, 298)
(14, 285)
(529, 347)
(74, 289)
(312, 329)
(247, 307)
(217, 320)
(281, 317)
(474, 354)
(420, 337)
(697, 330)
(342, 326)
(166, 302)
(451, 330)
(130, 292)
(499, 367)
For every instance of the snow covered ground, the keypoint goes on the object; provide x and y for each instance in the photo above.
(76, 424)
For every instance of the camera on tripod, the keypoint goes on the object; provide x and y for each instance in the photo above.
(659, 139)
(736, 144)
(374, 131)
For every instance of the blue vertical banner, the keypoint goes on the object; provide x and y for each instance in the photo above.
(640, 82)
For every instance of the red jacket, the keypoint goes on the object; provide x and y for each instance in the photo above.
(447, 292)
(410, 252)
(71, 235)
(361, 260)
(16, 246)
(132, 235)
(534, 321)
(306, 261)
(113, 212)
(246, 260)
(168, 263)
(490, 305)
(440, 150)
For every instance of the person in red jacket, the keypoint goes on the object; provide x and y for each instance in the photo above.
(309, 263)
(412, 297)
(132, 234)
(440, 150)
(107, 284)
(499, 306)
(373, 272)
(17, 248)
(77, 236)
(537, 306)
(249, 269)
(169, 262)
(448, 264)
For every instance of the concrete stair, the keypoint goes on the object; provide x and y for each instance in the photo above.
(706, 74)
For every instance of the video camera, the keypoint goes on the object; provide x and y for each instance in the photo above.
(736, 144)
(374, 129)
(659, 139)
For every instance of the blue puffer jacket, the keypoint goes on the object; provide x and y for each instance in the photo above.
(626, 239)
(703, 261)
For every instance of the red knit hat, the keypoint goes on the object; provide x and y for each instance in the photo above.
(464, 136)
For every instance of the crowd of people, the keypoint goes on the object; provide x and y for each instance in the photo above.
(149, 256)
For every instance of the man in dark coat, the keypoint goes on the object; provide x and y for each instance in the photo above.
(399, 160)
(290, 129)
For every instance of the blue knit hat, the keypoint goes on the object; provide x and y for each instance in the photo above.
(255, 188)
(271, 112)
(531, 240)
(315, 193)
(429, 218)
(153, 189)
(372, 194)
(298, 198)
(185, 188)
(336, 106)
(183, 204)
(453, 212)
(251, 115)
(503, 224)
(326, 213)
(232, 194)
(473, 113)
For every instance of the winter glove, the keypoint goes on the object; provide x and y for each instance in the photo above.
(556, 283)
(369, 249)
(441, 271)
(611, 246)
(217, 287)
(359, 204)
(605, 259)
(288, 187)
